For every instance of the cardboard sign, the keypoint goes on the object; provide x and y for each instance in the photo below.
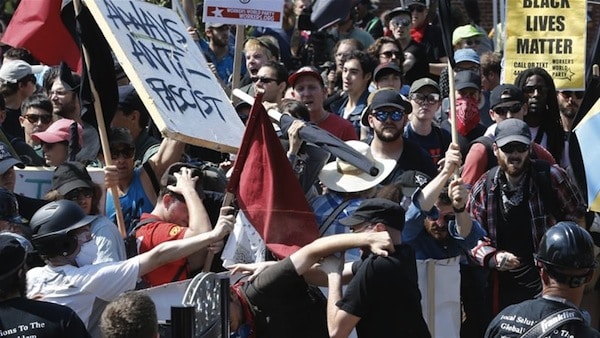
(260, 13)
(35, 182)
(169, 72)
(550, 34)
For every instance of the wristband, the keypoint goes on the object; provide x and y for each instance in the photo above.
(457, 211)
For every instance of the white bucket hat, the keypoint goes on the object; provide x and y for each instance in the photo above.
(344, 177)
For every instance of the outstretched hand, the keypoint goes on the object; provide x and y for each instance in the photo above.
(251, 269)
(225, 222)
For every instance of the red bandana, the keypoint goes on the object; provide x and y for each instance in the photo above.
(245, 307)
(418, 33)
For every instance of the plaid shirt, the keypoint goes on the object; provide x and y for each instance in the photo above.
(482, 206)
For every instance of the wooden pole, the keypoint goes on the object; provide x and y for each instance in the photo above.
(237, 58)
(102, 132)
(452, 101)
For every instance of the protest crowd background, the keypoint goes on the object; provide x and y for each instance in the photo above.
(298, 168)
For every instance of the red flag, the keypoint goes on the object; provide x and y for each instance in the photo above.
(37, 26)
(268, 191)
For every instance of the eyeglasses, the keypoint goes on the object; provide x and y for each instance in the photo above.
(262, 79)
(530, 89)
(471, 42)
(34, 118)
(416, 8)
(400, 23)
(390, 54)
(125, 152)
(77, 194)
(514, 146)
(342, 55)
(515, 108)
(430, 98)
(569, 94)
(382, 116)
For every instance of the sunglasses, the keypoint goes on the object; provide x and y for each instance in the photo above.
(515, 108)
(390, 54)
(531, 89)
(422, 98)
(416, 8)
(34, 118)
(568, 93)
(400, 23)
(262, 79)
(514, 146)
(382, 116)
(77, 194)
(471, 42)
(125, 152)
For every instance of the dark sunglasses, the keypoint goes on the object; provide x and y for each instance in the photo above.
(262, 79)
(125, 152)
(398, 23)
(382, 116)
(416, 8)
(77, 194)
(515, 108)
(430, 98)
(389, 54)
(531, 89)
(514, 146)
(34, 118)
(568, 93)
(471, 42)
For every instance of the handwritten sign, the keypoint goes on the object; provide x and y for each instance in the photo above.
(550, 34)
(170, 73)
(260, 13)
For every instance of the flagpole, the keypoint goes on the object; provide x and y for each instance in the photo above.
(452, 101)
(102, 132)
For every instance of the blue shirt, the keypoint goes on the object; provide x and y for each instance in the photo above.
(225, 65)
(425, 246)
(133, 203)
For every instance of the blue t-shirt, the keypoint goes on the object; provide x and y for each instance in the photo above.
(133, 203)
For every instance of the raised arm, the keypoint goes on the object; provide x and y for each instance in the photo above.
(170, 151)
(430, 193)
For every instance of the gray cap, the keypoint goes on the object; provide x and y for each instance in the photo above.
(512, 130)
(423, 82)
(13, 71)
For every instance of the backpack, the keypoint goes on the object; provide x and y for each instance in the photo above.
(543, 181)
(131, 244)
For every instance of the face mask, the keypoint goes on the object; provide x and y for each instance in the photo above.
(467, 115)
(88, 253)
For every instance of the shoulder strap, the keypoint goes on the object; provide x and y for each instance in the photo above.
(487, 143)
(148, 168)
(543, 180)
(142, 223)
(334, 214)
(553, 321)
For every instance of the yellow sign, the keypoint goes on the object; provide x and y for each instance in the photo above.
(550, 34)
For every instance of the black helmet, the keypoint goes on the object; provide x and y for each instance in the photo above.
(9, 209)
(566, 245)
(51, 225)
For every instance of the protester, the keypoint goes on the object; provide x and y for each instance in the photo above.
(17, 83)
(271, 82)
(565, 262)
(568, 106)
(374, 311)
(130, 315)
(61, 230)
(21, 316)
(59, 142)
(387, 75)
(36, 116)
(367, 20)
(333, 74)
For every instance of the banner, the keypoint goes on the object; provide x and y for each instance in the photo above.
(549, 34)
(169, 72)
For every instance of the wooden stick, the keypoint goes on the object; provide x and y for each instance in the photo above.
(102, 132)
(227, 199)
(237, 57)
(452, 102)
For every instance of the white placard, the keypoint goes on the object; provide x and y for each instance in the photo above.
(35, 182)
(261, 13)
(169, 72)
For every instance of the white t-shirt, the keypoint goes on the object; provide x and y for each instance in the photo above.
(78, 288)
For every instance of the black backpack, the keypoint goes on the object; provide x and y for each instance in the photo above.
(131, 244)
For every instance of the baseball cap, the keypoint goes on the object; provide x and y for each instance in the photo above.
(13, 71)
(467, 79)
(70, 176)
(59, 130)
(168, 178)
(7, 160)
(410, 180)
(385, 97)
(416, 2)
(505, 95)
(305, 71)
(120, 135)
(129, 99)
(386, 68)
(397, 11)
(465, 32)
(424, 82)
(466, 54)
(9, 207)
(512, 130)
(376, 210)
(13, 256)
(269, 43)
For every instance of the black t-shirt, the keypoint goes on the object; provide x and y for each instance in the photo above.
(385, 295)
(284, 305)
(517, 319)
(413, 157)
(21, 317)
(11, 124)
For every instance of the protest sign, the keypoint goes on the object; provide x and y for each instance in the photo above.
(169, 73)
(550, 34)
(35, 182)
(260, 13)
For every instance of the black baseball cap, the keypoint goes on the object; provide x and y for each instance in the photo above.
(70, 176)
(512, 130)
(467, 79)
(386, 97)
(410, 180)
(506, 95)
(377, 210)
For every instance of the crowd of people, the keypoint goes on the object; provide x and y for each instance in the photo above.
(484, 236)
